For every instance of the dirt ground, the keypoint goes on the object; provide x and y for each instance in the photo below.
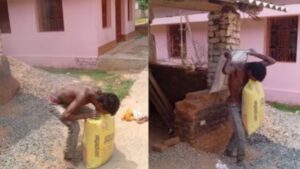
(31, 137)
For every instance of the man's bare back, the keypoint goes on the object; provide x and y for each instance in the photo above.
(75, 96)
(236, 83)
(68, 93)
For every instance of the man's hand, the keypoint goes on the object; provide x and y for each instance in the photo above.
(267, 60)
(93, 115)
(227, 54)
(252, 51)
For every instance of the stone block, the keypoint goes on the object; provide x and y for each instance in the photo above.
(211, 23)
(213, 28)
(211, 34)
(214, 40)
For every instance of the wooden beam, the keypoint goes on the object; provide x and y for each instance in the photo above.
(199, 5)
(161, 103)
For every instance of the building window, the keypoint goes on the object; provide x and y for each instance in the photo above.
(174, 41)
(50, 15)
(130, 11)
(283, 34)
(4, 17)
(105, 13)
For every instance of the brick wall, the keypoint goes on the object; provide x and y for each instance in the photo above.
(202, 120)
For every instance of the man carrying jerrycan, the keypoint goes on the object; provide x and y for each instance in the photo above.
(246, 100)
(99, 124)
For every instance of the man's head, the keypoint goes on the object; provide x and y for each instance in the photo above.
(108, 102)
(256, 71)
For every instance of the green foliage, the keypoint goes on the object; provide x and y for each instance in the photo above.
(143, 4)
(286, 108)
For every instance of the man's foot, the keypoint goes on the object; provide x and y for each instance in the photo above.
(68, 156)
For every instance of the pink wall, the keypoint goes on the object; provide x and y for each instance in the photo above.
(199, 36)
(283, 80)
(128, 26)
(199, 33)
(108, 34)
(81, 38)
(51, 48)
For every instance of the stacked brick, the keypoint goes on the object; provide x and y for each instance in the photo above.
(223, 33)
(202, 120)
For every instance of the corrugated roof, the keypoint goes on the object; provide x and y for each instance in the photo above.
(214, 5)
(283, 2)
(264, 4)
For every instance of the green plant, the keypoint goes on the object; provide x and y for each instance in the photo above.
(143, 4)
(285, 107)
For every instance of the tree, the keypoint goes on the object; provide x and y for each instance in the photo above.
(143, 6)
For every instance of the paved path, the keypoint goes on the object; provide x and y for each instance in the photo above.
(129, 55)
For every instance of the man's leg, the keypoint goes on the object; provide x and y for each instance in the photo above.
(72, 140)
(231, 146)
(73, 132)
(239, 132)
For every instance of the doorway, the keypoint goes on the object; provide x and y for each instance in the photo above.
(118, 21)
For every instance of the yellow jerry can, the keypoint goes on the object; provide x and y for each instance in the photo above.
(98, 141)
(253, 106)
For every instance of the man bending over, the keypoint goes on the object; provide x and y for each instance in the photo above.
(74, 97)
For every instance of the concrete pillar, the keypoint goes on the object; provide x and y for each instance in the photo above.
(223, 33)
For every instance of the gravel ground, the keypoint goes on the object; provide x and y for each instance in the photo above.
(276, 145)
(28, 123)
(32, 138)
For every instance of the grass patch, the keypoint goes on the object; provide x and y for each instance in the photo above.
(110, 82)
(141, 21)
(122, 89)
(285, 107)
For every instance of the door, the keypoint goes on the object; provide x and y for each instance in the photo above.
(118, 21)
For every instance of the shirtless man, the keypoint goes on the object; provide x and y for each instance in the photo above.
(75, 96)
(239, 74)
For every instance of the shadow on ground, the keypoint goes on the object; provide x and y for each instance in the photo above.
(20, 116)
(118, 160)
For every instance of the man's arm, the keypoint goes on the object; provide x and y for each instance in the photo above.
(91, 115)
(267, 60)
(228, 67)
(70, 113)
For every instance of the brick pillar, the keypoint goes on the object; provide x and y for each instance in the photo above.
(1, 48)
(223, 33)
